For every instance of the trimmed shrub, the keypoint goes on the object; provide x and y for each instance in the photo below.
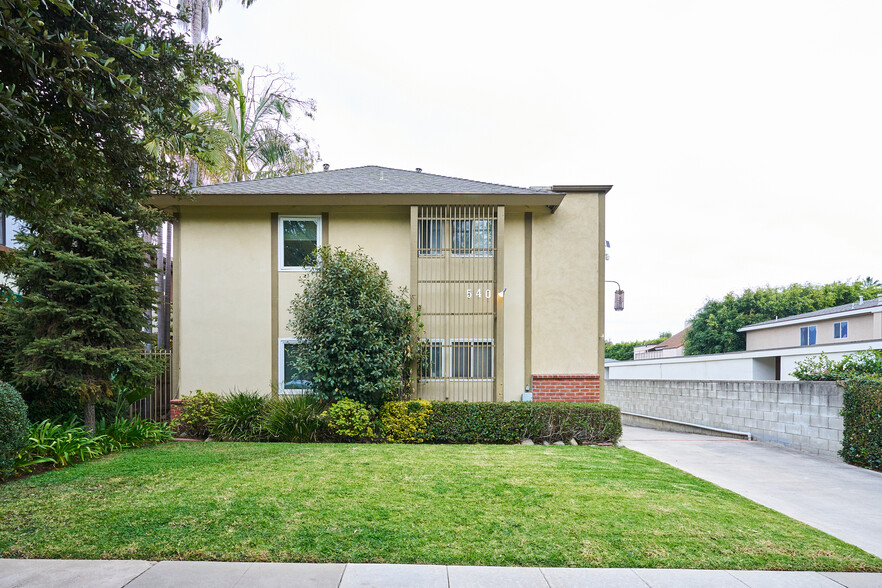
(13, 427)
(359, 338)
(822, 368)
(197, 413)
(492, 422)
(862, 420)
(584, 422)
(350, 419)
(240, 417)
(406, 421)
(294, 419)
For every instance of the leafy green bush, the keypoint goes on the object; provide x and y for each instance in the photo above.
(197, 413)
(294, 419)
(240, 417)
(134, 432)
(822, 368)
(13, 427)
(624, 351)
(359, 339)
(493, 422)
(862, 420)
(406, 421)
(350, 419)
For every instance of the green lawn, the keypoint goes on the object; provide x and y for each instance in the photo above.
(440, 504)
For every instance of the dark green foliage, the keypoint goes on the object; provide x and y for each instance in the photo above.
(493, 422)
(625, 351)
(62, 444)
(84, 88)
(359, 338)
(239, 417)
(822, 368)
(79, 328)
(715, 325)
(135, 431)
(13, 427)
(351, 420)
(294, 419)
(197, 413)
(862, 419)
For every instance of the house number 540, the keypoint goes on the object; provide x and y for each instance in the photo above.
(478, 293)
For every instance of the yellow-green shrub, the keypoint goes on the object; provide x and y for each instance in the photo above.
(406, 421)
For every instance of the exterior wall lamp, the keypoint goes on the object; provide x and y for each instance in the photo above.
(619, 302)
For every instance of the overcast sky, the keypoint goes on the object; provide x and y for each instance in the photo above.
(743, 139)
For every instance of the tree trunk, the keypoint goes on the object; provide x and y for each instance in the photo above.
(89, 416)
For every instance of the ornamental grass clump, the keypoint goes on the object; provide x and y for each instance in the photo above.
(294, 419)
(240, 417)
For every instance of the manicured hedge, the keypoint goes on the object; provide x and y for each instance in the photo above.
(13, 427)
(862, 419)
(493, 422)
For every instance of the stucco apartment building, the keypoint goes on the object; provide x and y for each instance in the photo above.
(510, 281)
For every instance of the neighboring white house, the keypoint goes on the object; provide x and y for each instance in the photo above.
(773, 347)
(673, 346)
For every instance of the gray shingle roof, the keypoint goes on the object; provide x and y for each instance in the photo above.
(370, 179)
(851, 306)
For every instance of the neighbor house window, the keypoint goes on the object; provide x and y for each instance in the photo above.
(433, 364)
(299, 236)
(808, 335)
(472, 359)
(430, 237)
(473, 238)
(840, 330)
(292, 380)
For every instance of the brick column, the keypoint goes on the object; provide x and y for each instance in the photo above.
(566, 388)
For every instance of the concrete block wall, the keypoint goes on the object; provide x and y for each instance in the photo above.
(800, 415)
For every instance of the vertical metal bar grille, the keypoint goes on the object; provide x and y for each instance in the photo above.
(157, 406)
(456, 290)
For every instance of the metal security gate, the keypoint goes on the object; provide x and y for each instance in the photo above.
(456, 270)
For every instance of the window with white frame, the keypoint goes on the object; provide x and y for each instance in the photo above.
(299, 236)
(840, 330)
(433, 364)
(808, 335)
(430, 237)
(471, 358)
(471, 238)
(291, 379)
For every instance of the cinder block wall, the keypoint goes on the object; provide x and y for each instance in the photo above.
(800, 415)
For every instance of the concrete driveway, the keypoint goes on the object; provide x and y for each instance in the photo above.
(839, 499)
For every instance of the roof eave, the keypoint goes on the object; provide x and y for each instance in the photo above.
(550, 199)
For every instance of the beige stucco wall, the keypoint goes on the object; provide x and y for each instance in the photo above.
(383, 233)
(225, 304)
(567, 332)
(513, 306)
(860, 328)
(223, 313)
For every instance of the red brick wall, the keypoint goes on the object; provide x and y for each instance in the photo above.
(566, 388)
(175, 409)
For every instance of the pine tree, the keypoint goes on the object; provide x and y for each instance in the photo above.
(79, 326)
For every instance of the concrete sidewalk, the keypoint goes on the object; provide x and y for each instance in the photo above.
(21, 573)
(839, 499)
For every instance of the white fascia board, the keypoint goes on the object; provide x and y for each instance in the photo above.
(812, 319)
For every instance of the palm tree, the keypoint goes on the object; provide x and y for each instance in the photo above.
(253, 134)
(195, 14)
